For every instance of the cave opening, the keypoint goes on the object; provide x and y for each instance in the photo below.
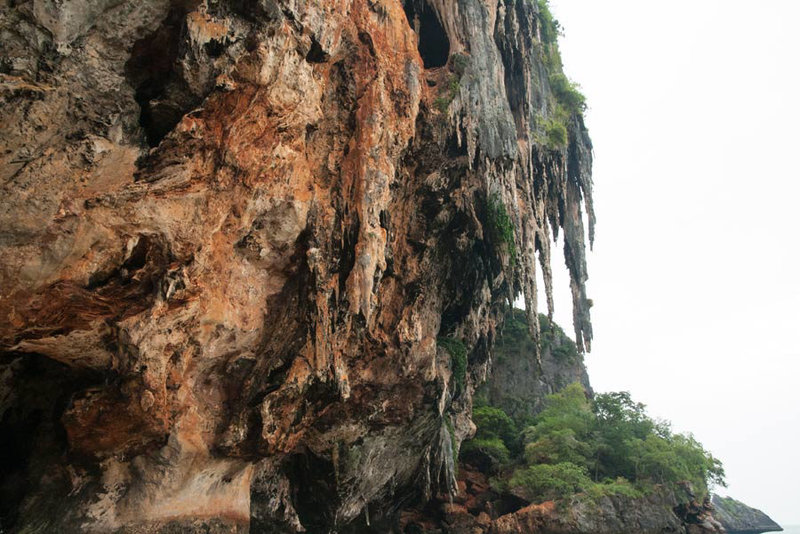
(152, 70)
(33, 441)
(314, 490)
(433, 44)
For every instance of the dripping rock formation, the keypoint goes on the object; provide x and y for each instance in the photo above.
(233, 234)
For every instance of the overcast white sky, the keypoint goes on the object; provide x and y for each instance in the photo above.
(693, 110)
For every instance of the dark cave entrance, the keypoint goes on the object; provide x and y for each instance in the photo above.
(434, 46)
(152, 70)
(33, 441)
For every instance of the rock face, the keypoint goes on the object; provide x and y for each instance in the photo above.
(518, 385)
(232, 233)
(610, 515)
(738, 518)
(520, 381)
(655, 514)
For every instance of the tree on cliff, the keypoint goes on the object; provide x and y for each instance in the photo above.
(606, 445)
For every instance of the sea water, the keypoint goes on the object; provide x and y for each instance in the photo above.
(791, 529)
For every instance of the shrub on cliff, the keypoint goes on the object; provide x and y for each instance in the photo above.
(458, 361)
(501, 227)
(556, 134)
(569, 409)
(613, 439)
(496, 440)
(556, 447)
(561, 346)
(567, 93)
(606, 445)
(495, 423)
(675, 458)
(549, 27)
(487, 455)
(546, 482)
(620, 424)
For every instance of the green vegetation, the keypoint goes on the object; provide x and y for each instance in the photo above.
(554, 338)
(567, 99)
(556, 133)
(493, 423)
(458, 360)
(458, 64)
(501, 228)
(515, 339)
(567, 93)
(515, 330)
(550, 481)
(496, 437)
(492, 450)
(549, 26)
(605, 446)
(444, 100)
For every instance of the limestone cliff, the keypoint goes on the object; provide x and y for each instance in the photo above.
(520, 381)
(485, 504)
(232, 233)
(738, 518)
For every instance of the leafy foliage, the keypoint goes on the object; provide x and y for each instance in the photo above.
(556, 447)
(602, 446)
(567, 93)
(556, 133)
(443, 101)
(481, 451)
(515, 338)
(620, 486)
(613, 441)
(550, 481)
(566, 410)
(494, 423)
(567, 99)
(560, 345)
(549, 27)
(496, 440)
(501, 228)
(458, 64)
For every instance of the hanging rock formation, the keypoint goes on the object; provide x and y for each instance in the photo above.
(232, 233)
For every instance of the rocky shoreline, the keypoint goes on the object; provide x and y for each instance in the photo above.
(738, 518)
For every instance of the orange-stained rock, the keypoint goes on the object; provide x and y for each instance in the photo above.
(232, 234)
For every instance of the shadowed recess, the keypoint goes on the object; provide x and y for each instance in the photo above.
(434, 46)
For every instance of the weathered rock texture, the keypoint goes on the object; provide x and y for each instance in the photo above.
(231, 235)
(658, 513)
(520, 382)
(519, 386)
(738, 518)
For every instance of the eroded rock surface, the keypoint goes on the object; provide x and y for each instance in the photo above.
(232, 233)
(659, 512)
(519, 381)
(485, 504)
(738, 518)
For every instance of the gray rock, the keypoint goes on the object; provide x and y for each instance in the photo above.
(518, 382)
(738, 518)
